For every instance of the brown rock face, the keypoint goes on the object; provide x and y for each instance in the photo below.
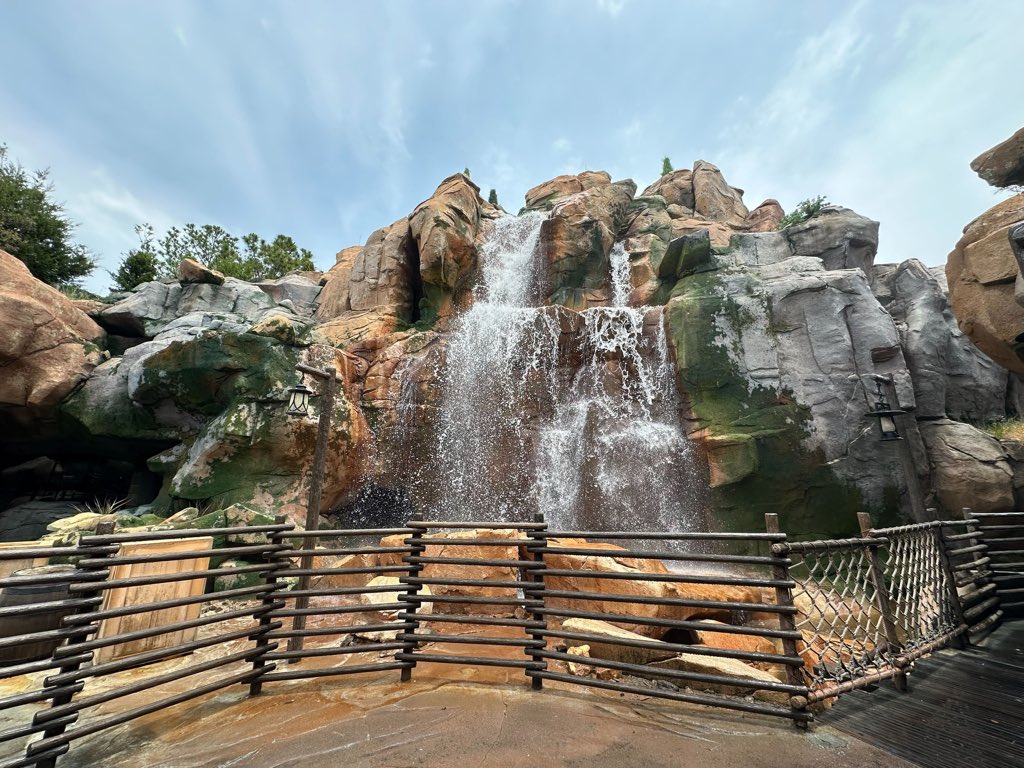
(191, 271)
(675, 187)
(543, 195)
(765, 218)
(576, 239)
(981, 272)
(1003, 165)
(46, 344)
(382, 272)
(446, 228)
(714, 199)
(334, 296)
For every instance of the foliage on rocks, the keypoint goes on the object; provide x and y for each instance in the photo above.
(804, 210)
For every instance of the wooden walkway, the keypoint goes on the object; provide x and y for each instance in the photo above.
(965, 708)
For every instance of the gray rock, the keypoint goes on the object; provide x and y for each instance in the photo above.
(234, 297)
(301, 292)
(28, 521)
(1003, 165)
(951, 376)
(839, 237)
(145, 312)
(969, 468)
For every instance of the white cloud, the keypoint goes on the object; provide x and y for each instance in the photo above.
(612, 7)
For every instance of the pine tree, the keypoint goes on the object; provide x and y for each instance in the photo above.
(492, 198)
(666, 166)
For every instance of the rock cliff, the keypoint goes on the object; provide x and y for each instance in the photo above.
(774, 340)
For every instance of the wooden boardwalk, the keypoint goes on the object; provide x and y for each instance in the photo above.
(965, 709)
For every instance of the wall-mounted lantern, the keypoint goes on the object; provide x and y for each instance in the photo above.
(885, 414)
(298, 399)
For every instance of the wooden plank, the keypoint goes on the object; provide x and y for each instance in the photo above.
(128, 596)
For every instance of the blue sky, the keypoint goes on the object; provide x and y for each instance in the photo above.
(326, 121)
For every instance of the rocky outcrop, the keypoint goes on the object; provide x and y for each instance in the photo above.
(544, 195)
(446, 228)
(47, 346)
(839, 237)
(951, 376)
(969, 467)
(714, 199)
(1003, 165)
(191, 271)
(982, 272)
(575, 242)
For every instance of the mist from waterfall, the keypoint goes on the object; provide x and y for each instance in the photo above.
(545, 409)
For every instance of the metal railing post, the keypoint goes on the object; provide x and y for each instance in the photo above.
(536, 552)
(59, 725)
(272, 579)
(784, 597)
(882, 602)
(414, 571)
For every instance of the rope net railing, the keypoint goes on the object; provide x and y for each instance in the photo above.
(838, 615)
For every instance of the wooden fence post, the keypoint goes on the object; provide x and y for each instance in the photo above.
(59, 725)
(877, 571)
(784, 597)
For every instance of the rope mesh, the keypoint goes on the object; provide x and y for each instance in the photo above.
(843, 630)
(920, 592)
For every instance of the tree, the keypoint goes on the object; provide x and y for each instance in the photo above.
(804, 210)
(35, 228)
(247, 258)
(492, 198)
(139, 264)
(666, 166)
(465, 172)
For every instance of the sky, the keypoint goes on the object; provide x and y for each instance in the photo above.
(326, 121)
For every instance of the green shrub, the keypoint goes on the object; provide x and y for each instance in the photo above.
(804, 210)
(666, 166)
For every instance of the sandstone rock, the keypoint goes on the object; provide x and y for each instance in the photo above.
(283, 327)
(714, 199)
(676, 188)
(714, 665)
(544, 195)
(577, 237)
(47, 346)
(383, 272)
(1003, 165)
(354, 327)
(397, 594)
(334, 295)
(730, 641)
(581, 669)
(841, 238)
(609, 648)
(765, 218)
(969, 468)
(981, 271)
(620, 564)
(720, 234)
(951, 376)
(191, 271)
(82, 521)
(445, 228)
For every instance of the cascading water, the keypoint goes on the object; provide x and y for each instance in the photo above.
(572, 414)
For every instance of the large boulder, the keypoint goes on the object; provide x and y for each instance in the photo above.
(676, 188)
(982, 272)
(1003, 165)
(969, 468)
(951, 376)
(576, 240)
(384, 273)
(714, 199)
(544, 195)
(841, 238)
(446, 228)
(47, 346)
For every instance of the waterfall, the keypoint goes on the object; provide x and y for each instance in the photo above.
(573, 414)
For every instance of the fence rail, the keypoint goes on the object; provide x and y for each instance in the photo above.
(752, 622)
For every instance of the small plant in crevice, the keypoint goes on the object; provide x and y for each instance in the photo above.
(1006, 429)
(804, 210)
